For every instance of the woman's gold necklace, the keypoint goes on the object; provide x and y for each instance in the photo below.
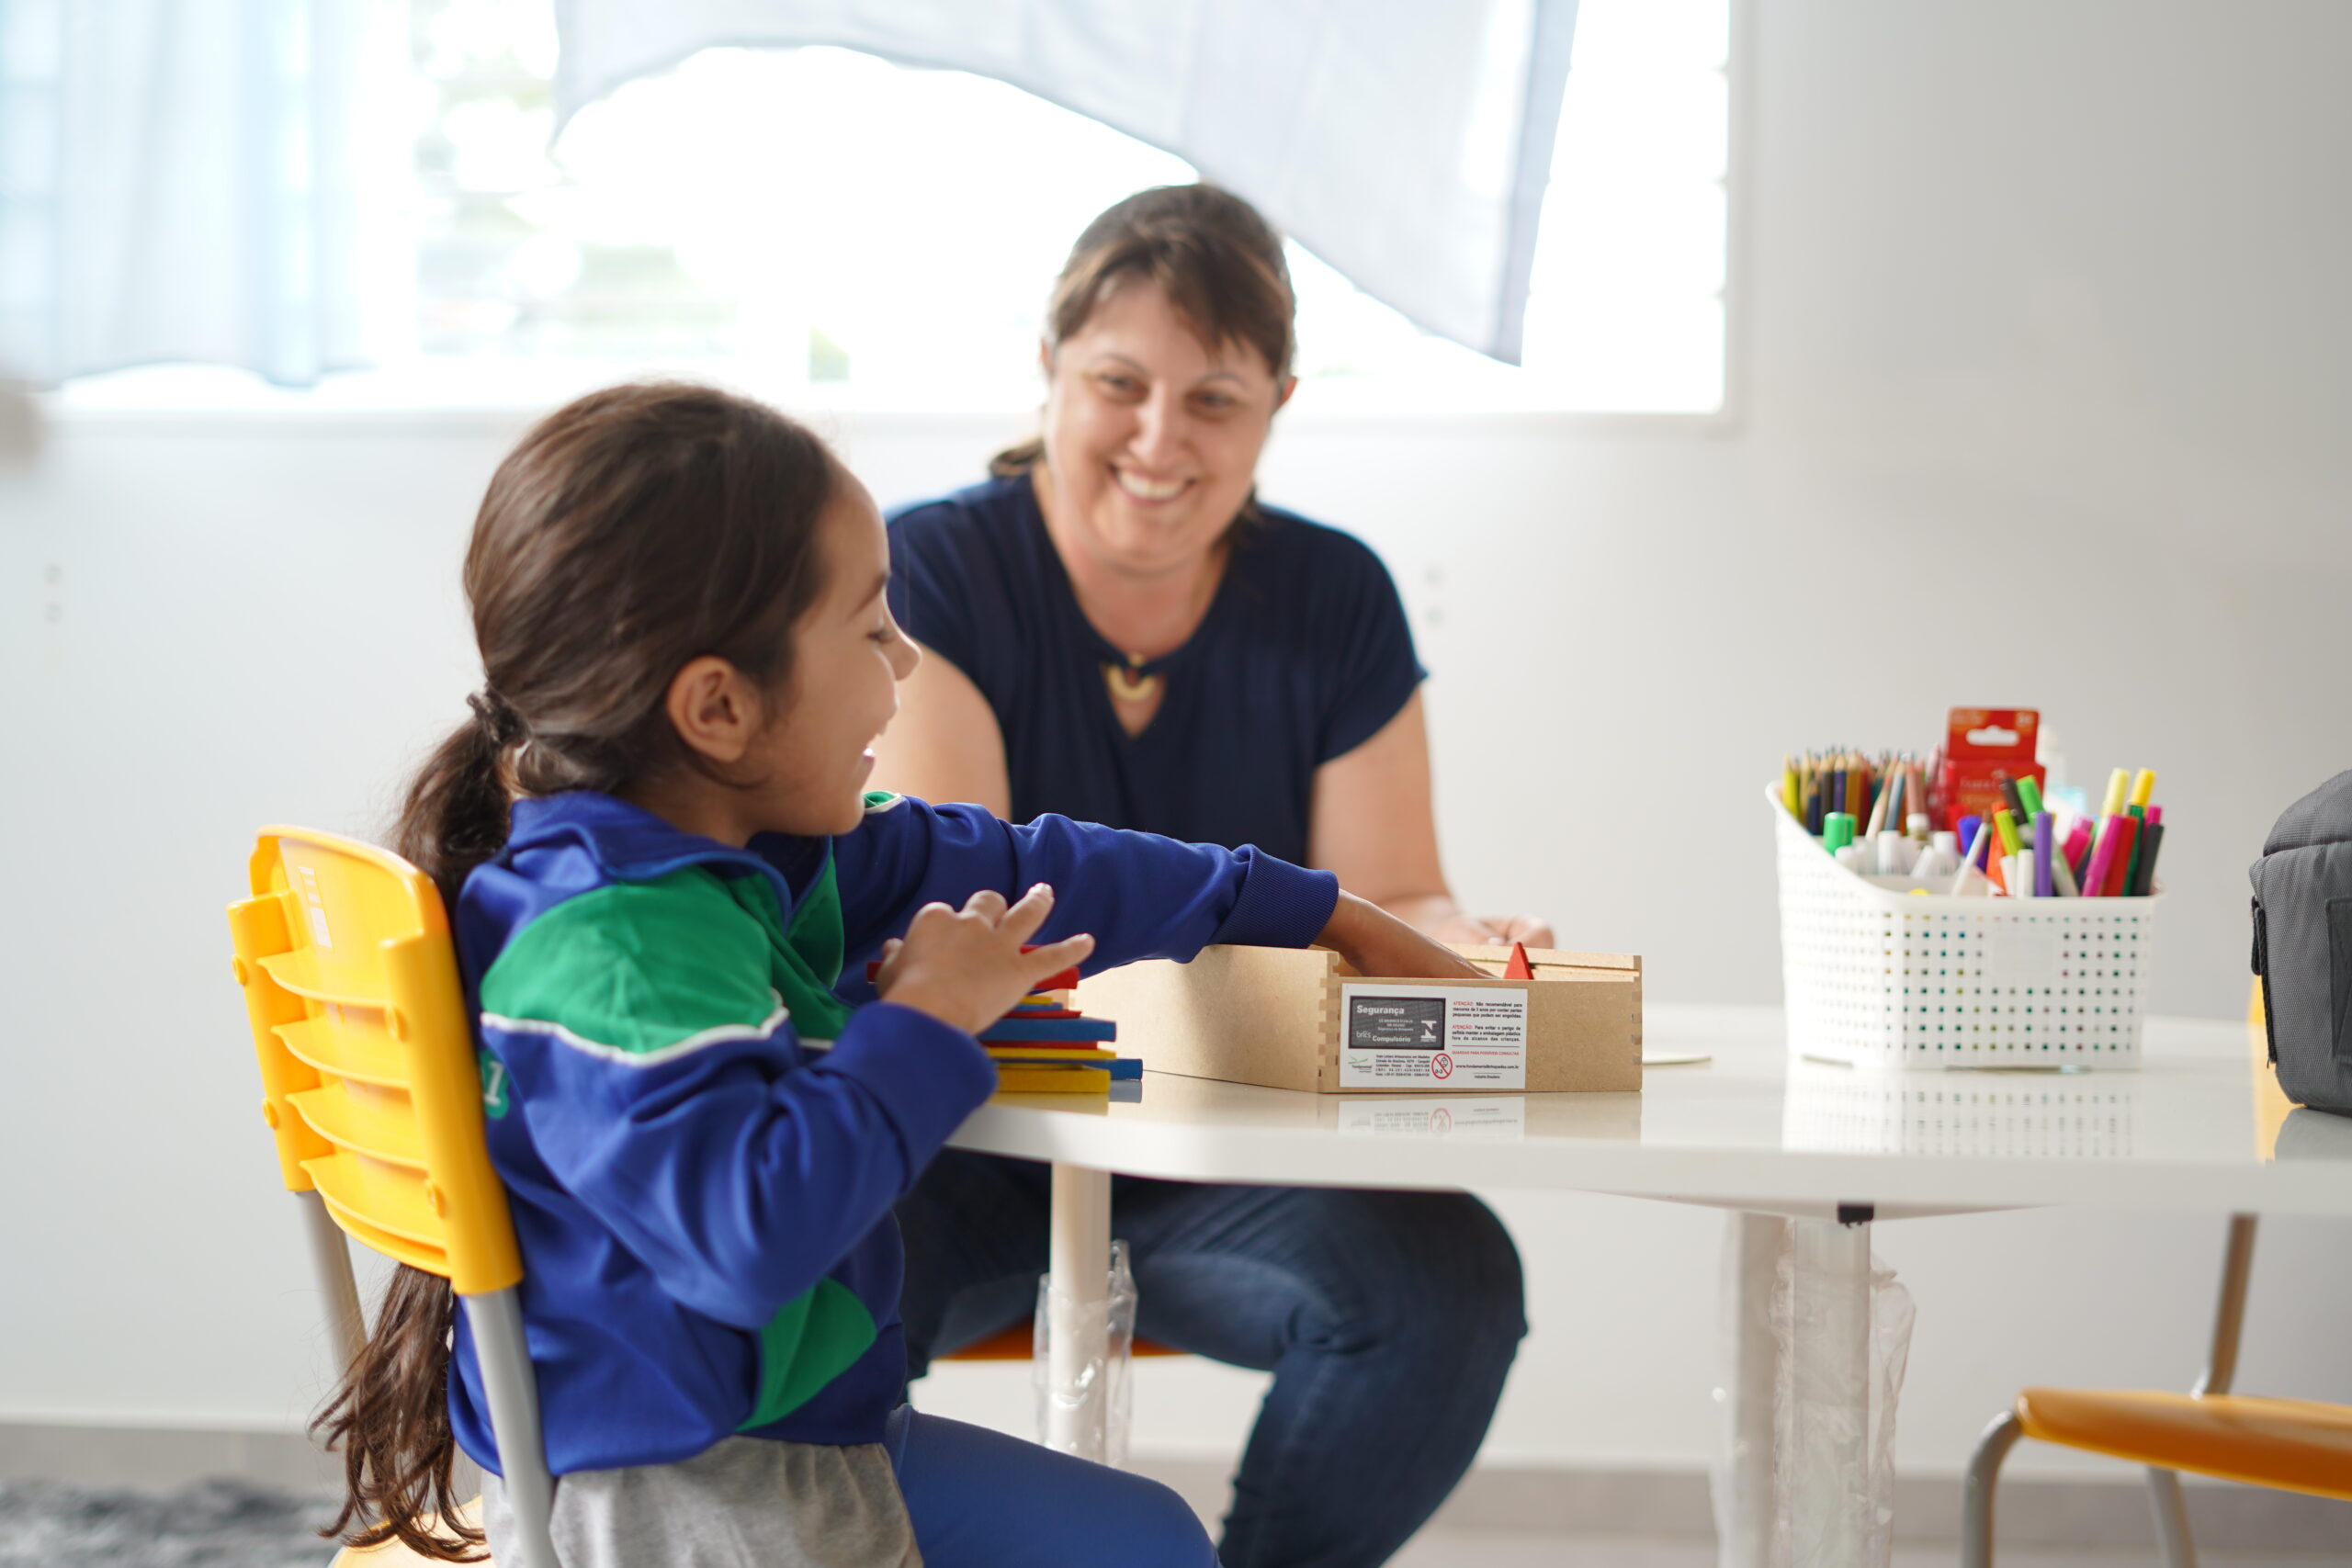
(1127, 685)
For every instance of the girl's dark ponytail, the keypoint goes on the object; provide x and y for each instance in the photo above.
(456, 814)
(389, 1418)
(631, 531)
(389, 1414)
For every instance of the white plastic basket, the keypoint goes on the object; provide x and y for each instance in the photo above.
(1880, 978)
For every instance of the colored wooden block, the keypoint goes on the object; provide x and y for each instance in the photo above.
(1065, 1054)
(1023, 1079)
(1038, 1029)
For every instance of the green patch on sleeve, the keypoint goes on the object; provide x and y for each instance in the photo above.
(816, 1338)
(804, 961)
(638, 967)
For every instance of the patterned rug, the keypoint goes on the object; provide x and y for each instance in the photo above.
(213, 1523)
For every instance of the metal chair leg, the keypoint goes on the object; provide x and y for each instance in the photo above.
(2172, 1519)
(331, 1262)
(2229, 1313)
(496, 1319)
(1977, 1495)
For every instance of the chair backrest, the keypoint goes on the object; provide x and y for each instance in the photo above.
(367, 1062)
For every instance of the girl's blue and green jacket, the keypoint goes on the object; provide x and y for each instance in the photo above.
(702, 1202)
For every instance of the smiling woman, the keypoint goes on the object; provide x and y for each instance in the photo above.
(1121, 632)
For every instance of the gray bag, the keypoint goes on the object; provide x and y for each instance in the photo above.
(2302, 945)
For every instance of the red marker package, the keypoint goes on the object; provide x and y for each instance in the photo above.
(1981, 747)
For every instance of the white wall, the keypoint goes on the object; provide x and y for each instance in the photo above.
(2047, 295)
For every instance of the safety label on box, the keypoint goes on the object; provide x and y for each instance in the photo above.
(1453, 1036)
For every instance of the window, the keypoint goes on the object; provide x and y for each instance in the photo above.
(815, 217)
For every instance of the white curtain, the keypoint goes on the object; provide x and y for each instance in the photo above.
(1407, 142)
(180, 180)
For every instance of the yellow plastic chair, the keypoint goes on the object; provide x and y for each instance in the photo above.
(372, 1094)
(2293, 1444)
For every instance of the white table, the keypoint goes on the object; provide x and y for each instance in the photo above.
(1828, 1148)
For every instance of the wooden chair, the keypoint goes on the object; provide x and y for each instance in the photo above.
(2292, 1444)
(373, 1096)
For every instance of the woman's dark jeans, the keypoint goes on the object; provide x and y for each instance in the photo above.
(1388, 1319)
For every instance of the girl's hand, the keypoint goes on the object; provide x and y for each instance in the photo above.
(966, 967)
(1377, 942)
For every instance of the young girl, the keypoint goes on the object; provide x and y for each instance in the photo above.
(655, 840)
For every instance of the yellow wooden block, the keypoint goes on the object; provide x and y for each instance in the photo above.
(1076, 1057)
(1022, 1079)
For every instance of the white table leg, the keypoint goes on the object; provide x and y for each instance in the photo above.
(1829, 1392)
(1744, 1507)
(1079, 1268)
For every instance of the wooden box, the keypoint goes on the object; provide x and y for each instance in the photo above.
(1303, 1020)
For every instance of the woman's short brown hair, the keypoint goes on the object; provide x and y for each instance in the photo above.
(1218, 261)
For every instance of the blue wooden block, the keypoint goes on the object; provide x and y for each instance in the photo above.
(1021, 1030)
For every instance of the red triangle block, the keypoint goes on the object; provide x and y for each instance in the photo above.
(1518, 968)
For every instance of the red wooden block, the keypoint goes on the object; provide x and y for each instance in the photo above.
(1518, 968)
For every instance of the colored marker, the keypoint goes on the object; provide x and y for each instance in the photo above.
(1893, 859)
(2152, 839)
(2143, 787)
(2030, 792)
(2044, 886)
(1976, 850)
(2078, 849)
(2118, 783)
(2127, 836)
(2006, 825)
(1837, 830)
(1940, 857)
(2110, 833)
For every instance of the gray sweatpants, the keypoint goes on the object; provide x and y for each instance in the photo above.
(747, 1503)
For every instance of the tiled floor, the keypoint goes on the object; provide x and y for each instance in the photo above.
(1511, 1549)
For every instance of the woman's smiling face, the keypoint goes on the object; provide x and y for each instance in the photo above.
(1151, 435)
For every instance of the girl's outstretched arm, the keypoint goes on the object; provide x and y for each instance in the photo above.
(1138, 895)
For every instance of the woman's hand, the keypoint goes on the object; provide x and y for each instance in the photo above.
(1494, 931)
(966, 967)
(1377, 942)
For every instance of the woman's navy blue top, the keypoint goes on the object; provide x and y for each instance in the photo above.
(1304, 655)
